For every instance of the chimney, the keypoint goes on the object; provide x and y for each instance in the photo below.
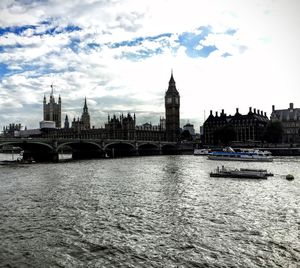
(237, 110)
(258, 111)
(291, 106)
(265, 114)
(216, 114)
(250, 109)
(210, 112)
(261, 112)
(222, 111)
(273, 108)
(254, 110)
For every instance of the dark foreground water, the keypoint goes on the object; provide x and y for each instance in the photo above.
(162, 211)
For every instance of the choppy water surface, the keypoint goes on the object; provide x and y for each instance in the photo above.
(162, 211)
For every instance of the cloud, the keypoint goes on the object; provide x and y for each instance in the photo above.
(119, 55)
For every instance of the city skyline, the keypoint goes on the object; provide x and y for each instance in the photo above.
(119, 54)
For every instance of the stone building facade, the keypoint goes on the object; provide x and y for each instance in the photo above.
(52, 109)
(84, 122)
(290, 120)
(124, 127)
(116, 128)
(248, 128)
(9, 131)
(172, 107)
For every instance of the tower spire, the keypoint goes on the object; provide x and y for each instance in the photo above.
(51, 93)
(52, 100)
(85, 117)
(85, 108)
(172, 78)
(172, 84)
(85, 105)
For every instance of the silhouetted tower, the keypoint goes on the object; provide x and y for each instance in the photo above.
(172, 104)
(85, 117)
(52, 110)
(67, 124)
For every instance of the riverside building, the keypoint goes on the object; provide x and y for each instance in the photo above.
(248, 128)
(290, 120)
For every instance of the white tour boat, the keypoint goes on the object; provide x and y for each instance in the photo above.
(201, 151)
(228, 154)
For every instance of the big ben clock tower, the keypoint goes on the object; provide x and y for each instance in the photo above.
(172, 104)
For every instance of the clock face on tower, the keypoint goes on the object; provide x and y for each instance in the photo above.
(169, 100)
(176, 100)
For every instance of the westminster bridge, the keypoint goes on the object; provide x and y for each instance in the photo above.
(47, 150)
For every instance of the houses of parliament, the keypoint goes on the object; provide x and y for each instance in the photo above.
(250, 128)
(121, 127)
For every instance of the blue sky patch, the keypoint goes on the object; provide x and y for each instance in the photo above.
(153, 38)
(192, 40)
(58, 30)
(46, 22)
(3, 69)
(138, 41)
(93, 45)
(141, 54)
(74, 44)
(19, 30)
(16, 30)
(204, 52)
(134, 42)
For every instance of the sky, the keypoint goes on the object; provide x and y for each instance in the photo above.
(119, 55)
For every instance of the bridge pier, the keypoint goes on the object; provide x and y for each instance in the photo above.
(136, 149)
(160, 152)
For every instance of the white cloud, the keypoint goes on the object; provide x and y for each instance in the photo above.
(262, 69)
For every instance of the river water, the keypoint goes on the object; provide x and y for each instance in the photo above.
(160, 211)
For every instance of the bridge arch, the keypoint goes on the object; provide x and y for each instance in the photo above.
(25, 144)
(117, 149)
(70, 143)
(148, 149)
(34, 150)
(83, 149)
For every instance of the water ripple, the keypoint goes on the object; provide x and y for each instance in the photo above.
(162, 211)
